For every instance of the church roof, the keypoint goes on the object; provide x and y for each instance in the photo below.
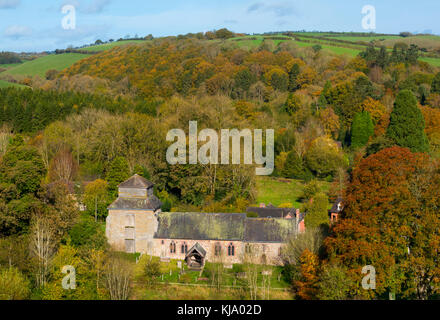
(197, 247)
(271, 211)
(223, 227)
(152, 203)
(269, 230)
(137, 182)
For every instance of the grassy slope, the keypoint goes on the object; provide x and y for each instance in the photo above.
(279, 191)
(41, 65)
(5, 84)
(108, 46)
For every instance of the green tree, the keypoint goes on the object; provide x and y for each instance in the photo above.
(293, 104)
(334, 284)
(317, 211)
(96, 198)
(435, 85)
(407, 125)
(293, 167)
(293, 78)
(324, 157)
(13, 285)
(119, 172)
(362, 129)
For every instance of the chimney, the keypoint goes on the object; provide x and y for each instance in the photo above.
(301, 225)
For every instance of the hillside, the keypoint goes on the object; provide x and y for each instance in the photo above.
(40, 66)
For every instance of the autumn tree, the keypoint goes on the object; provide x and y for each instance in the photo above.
(407, 124)
(307, 286)
(391, 219)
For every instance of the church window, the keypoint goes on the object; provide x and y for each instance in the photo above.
(184, 248)
(173, 247)
(231, 250)
(218, 249)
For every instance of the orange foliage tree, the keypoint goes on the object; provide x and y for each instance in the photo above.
(391, 222)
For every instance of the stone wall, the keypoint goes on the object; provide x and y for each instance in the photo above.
(121, 224)
(266, 253)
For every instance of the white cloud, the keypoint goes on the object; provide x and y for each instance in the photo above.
(279, 9)
(17, 31)
(9, 4)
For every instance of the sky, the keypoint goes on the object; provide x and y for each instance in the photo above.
(34, 26)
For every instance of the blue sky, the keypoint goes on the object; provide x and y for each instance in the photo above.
(29, 25)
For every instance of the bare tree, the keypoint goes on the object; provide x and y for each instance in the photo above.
(217, 270)
(312, 240)
(118, 278)
(63, 166)
(251, 259)
(43, 247)
(5, 135)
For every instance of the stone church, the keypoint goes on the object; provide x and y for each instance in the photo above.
(135, 223)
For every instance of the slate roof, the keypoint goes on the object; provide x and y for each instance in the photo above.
(269, 230)
(223, 227)
(271, 211)
(334, 208)
(137, 182)
(152, 203)
(197, 247)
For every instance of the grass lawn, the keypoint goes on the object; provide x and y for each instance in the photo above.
(190, 285)
(41, 65)
(279, 191)
(6, 84)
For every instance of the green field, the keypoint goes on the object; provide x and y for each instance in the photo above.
(5, 84)
(108, 46)
(281, 191)
(41, 65)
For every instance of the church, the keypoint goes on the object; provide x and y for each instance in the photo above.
(135, 223)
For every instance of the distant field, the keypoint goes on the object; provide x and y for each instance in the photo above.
(108, 46)
(5, 84)
(9, 66)
(41, 65)
(279, 191)
(432, 61)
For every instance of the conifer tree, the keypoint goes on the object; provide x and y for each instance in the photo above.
(407, 125)
(293, 78)
(362, 129)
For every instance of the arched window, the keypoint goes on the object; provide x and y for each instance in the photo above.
(173, 247)
(231, 249)
(218, 249)
(184, 248)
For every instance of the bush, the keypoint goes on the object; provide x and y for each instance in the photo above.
(88, 233)
(13, 285)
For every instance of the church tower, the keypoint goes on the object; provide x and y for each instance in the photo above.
(132, 218)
